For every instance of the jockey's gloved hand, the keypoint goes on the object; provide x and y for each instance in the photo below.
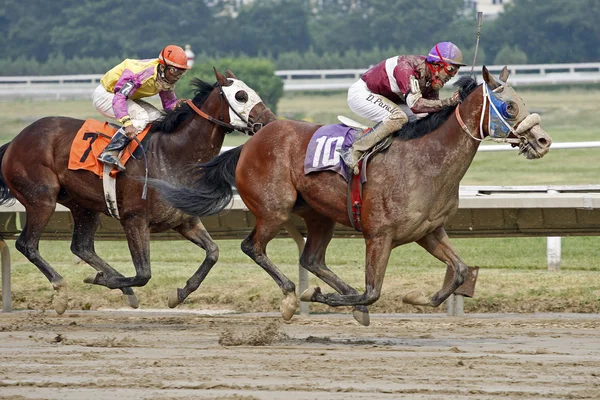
(455, 98)
(130, 132)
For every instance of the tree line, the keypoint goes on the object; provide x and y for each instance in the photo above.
(90, 36)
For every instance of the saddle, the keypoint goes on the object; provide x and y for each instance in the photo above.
(90, 141)
(322, 154)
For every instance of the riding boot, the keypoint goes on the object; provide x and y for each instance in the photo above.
(352, 155)
(110, 154)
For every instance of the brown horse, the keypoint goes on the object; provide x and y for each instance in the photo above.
(34, 171)
(411, 192)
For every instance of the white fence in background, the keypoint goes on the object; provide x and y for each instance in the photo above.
(82, 86)
(520, 75)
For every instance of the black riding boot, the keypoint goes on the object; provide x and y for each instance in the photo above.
(110, 154)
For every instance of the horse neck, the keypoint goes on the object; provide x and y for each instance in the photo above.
(446, 154)
(460, 147)
(196, 140)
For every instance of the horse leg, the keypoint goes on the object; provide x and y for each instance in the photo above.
(377, 257)
(138, 239)
(86, 223)
(195, 232)
(38, 215)
(255, 246)
(319, 233)
(438, 244)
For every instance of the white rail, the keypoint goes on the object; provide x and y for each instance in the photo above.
(520, 75)
(80, 86)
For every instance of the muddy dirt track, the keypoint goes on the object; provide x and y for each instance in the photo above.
(160, 355)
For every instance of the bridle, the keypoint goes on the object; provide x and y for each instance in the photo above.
(251, 127)
(526, 124)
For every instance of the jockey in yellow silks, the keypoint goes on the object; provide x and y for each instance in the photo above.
(121, 89)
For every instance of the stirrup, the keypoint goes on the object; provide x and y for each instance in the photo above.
(347, 156)
(109, 159)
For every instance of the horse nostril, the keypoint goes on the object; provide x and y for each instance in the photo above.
(543, 142)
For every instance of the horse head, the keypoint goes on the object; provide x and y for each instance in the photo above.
(509, 120)
(247, 112)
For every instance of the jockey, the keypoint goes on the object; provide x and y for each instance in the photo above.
(396, 89)
(120, 91)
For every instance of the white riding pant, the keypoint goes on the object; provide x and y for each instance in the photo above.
(368, 104)
(140, 111)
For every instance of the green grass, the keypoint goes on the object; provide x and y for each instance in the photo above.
(513, 275)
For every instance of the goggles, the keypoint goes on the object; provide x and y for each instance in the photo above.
(450, 69)
(175, 71)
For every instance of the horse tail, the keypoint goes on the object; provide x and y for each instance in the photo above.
(210, 193)
(6, 197)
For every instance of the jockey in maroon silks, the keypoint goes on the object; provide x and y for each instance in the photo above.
(396, 90)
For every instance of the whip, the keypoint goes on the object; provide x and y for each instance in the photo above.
(479, 18)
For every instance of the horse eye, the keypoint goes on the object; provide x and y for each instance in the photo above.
(241, 96)
(512, 109)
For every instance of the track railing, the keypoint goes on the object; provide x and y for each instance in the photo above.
(82, 86)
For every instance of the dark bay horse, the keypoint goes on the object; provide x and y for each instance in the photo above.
(34, 171)
(411, 192)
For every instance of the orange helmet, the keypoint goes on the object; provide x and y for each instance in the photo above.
(173, 56)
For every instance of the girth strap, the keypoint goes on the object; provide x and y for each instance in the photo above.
(354, 199)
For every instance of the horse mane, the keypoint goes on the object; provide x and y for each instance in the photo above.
(421, 127)
(170, 120)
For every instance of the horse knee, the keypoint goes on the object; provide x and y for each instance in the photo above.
(371, 296)
(142, 279)
(460, 274)
(24, 248)
(80, 251)
(248, 248)
(212, 252)
(306, 262)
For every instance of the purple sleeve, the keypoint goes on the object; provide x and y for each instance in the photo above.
(119, 102)
(168, 99)
(119, 105)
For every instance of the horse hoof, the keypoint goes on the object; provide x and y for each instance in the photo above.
(289, 305)
(361, 314)
(308, 294)
(416, 298)
(174, 299)
(131, 300)
(91, 278)
(60, 300)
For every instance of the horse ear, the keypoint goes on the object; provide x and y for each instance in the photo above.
(221, 79)
(489, 79)
(504, 74)
(230, 74)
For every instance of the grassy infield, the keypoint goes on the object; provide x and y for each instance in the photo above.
(513, 275)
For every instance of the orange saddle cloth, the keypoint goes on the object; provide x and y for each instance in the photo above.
(91, 139)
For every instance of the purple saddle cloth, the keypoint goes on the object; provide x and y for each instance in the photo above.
(322, 152)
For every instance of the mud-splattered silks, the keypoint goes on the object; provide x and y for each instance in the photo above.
(322, 153)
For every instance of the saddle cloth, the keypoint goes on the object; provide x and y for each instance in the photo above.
(90, 140)
(322, 152)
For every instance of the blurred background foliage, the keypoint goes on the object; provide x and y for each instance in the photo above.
(90, 36)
